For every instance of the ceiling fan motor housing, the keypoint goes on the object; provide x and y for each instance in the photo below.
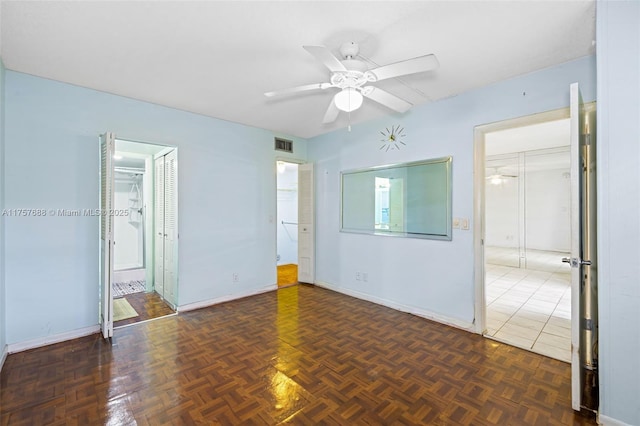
(344, 79)
(349, 50)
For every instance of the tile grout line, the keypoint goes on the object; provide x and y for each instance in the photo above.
(525, 302)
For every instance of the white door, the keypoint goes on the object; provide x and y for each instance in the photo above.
(107, 148)
(584, 386)
(306, 224)
(158, 224)
(170, 226)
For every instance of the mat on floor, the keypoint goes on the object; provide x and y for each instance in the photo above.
(128, 287)
(123, 310)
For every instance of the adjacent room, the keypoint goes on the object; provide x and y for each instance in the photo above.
(528, 232)
(287, 220)
(142, 284)
(279, 212)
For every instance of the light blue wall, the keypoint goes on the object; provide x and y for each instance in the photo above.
(3, 321)
(227, 199)
(618, 52)
(426, 276)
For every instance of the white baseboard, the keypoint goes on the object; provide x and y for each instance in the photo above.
(3, 357)
(453, 322)
(608, 421)
(50, 340)
(228, 298)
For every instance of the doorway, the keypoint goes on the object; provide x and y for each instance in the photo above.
(287, 223)
(527, 233)
(582, 311)
(143, 278)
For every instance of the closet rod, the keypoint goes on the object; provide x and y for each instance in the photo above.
(130, 170)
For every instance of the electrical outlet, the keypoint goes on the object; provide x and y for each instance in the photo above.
(357, 276)
(365, 276)
(235, 277)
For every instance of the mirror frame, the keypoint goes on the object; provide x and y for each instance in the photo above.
(447, 236)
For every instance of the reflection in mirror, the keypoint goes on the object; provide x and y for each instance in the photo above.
(411, 200)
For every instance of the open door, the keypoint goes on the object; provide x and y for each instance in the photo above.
(584, 376)
(306, 224)
(107, 148)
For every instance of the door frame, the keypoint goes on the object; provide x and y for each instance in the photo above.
(479, 133)
(149, 175)
(274, 217)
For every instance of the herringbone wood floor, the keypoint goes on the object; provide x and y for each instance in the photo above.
(301, 355)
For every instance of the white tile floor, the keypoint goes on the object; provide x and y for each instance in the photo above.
(529, 307)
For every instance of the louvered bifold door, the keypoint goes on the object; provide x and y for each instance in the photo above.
(107, 148)
(158, 224)
(170, 226)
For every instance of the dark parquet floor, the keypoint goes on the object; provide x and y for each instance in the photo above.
(301, 355)
(148, 306)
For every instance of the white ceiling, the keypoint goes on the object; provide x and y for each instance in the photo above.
(217, 58)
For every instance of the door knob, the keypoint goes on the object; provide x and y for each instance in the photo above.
(575, 262)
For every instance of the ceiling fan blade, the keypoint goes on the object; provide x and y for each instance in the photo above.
(385, 98)
(332, 113)
(323, 54)
(410, 66)
(291, 90)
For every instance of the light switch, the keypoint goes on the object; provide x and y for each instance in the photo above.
(456, 223)
(464, 224)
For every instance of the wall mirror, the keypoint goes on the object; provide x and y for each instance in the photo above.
(407, 200)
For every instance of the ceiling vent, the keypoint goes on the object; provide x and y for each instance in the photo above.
(284, 145)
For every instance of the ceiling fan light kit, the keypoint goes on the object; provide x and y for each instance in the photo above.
(348, 99)
(351, 76)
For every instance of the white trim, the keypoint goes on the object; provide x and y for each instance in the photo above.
(3, 357)
(442, 319)
(480, 303)
(228, 298)
(608, 421)
(50, 340)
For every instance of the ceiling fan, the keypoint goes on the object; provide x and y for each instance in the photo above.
(353, 77)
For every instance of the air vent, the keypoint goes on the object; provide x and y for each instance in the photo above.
(284, 145)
